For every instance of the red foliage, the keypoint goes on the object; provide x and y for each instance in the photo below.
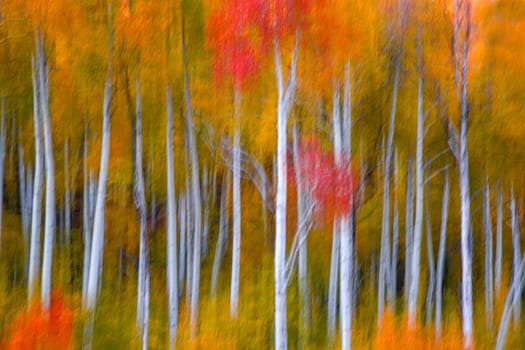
(240, 32)
(37, 329)
(234, 37)
(331, 185)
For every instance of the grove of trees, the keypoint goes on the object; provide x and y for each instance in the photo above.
(219, 174)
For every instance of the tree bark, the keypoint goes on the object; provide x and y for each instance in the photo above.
(499, 240)
(236, 239)
(171, 239)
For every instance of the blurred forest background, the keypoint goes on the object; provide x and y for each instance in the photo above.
(220, 174)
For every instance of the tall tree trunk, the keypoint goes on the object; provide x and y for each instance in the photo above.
(236, 238)
(499, 240)
(487, 224)
(182, 241)
(441, 257)
(206, 215)
(516, 247)
(140, 202)
(431, 264)
(36, 213)
(418, 224)
(395, 243)
(409, 221)
(286, 92)
(384, 258)
(49, 234)
(196, 192)
(97, 247)
(172, 279)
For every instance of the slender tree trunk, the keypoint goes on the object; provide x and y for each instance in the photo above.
(513, 297)
(140, 202)
(189, 239)
(182, 241)
(196, 192)
(409, 220)
(431, 264)
(172, 279)
(49, 234)
(36, 213)
(384, 259)
(441, 257)
(332, 284)
(418, 224)
(236, 239)
(516, 247)
(97, 247)
(223, 232)
(395, 243)
(499, 240)
(487, 224)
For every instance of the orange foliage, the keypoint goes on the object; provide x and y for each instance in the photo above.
(37, 329)
(398, 336)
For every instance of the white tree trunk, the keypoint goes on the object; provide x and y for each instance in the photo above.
(384, 258)
(516, 247)
(489, 289)
(284, 104)
(97, 246)
(236, 238)
(140, 202)
(418, 226)
(332, 283)
(441, 257)
(36, 213)
(513, 297)
(395, 243)
(182, 241)
(49, 234)
(431, 264)
(171, 232)
(196, 193)
(499, 240)
(409, 221)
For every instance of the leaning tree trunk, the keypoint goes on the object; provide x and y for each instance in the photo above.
(171, 232)
(97, 247)
(36, 213)
(140, 202)
(236, 238)
(49, 235)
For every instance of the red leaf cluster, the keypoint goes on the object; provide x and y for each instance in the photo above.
(240, 33)
(332, 186)
(37, 329)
